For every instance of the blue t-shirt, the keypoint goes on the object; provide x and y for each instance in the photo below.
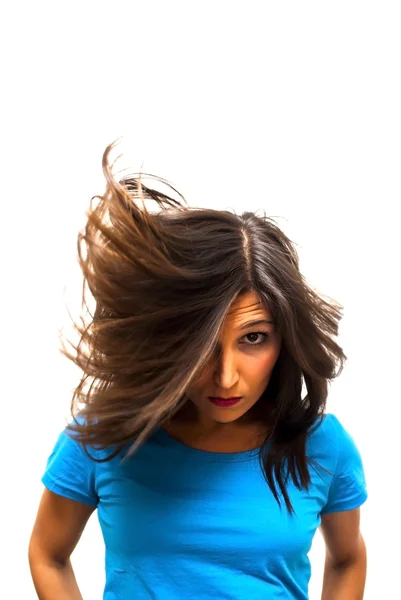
(182, 523)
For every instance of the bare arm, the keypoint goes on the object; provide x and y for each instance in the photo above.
(345, 566)
(58, 527)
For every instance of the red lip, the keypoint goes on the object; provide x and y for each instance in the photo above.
(221, 398)
(225, 401)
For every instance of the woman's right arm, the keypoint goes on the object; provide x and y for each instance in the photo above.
(58, 527)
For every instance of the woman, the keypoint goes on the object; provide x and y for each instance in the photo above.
(199, 430)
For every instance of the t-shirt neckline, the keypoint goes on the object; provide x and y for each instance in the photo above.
(168, 440)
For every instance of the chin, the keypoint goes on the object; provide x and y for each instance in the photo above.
(226, 418)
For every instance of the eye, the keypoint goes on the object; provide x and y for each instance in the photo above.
(256, 338)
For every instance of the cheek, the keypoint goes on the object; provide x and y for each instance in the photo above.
(198, 385)
(203, 379)
(259, 368)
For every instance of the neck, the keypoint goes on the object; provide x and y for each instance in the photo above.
(188, 418)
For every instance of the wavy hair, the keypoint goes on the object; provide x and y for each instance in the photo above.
(162, 283)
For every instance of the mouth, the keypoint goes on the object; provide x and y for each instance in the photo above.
(225, 401)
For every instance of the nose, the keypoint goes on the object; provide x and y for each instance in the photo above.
(226, 374)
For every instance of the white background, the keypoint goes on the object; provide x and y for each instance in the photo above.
(289, 107)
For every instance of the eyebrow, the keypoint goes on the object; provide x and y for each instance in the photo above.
(253, 323)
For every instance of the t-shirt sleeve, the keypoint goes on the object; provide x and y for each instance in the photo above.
(70, 472)
(348, 486)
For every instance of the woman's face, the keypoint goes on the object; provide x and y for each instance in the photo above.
(249, 347)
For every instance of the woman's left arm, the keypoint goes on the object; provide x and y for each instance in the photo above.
(345, 566)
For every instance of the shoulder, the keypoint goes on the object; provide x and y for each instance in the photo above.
(330, 440)
(331, 443)
(329, 431)
(332, 446)
(70, 471)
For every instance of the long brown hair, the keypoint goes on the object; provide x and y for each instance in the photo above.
(162, 282)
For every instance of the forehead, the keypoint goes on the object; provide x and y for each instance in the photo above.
(246, 307)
